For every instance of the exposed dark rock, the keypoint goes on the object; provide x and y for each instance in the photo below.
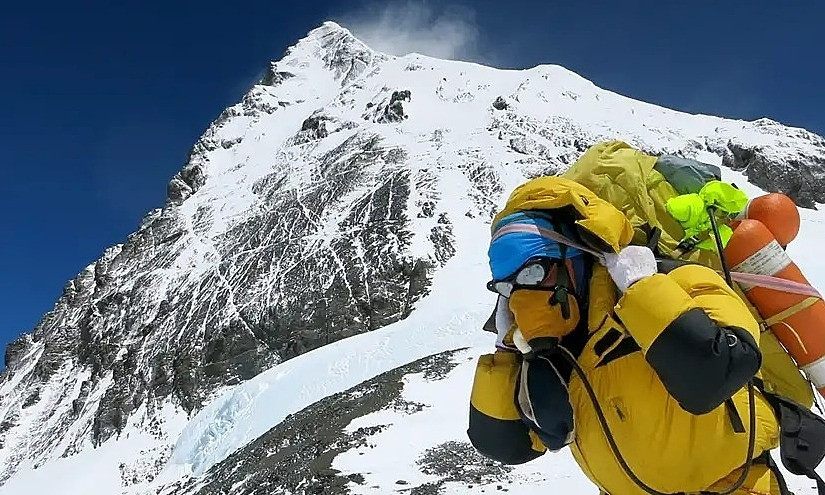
(77, 404)
(404, 95)
(229, 143)
(500, 104)
(391, 111)
(16, 349)
(274, 77)
(177, 190)
(376, 286)
(297, 454)
(128, 391)
(255, 103)
(32, 399)
(394, 111)
(55, 354)
(314, 128)
(487, 185)
(427, 209)
(461, 462)
(186, 182)
(802, 178)
(442, 238)
(7, 424)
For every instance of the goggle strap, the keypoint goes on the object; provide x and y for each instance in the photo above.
(548, 234)
(563, 274)
(562, 298)
(561, 295)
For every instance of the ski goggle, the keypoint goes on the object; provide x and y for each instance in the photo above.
(533, 273)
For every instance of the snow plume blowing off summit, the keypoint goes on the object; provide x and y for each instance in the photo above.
(400, 28)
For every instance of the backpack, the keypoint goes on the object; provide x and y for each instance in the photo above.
(639, 185)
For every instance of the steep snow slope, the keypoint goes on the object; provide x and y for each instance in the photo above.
(348, 192)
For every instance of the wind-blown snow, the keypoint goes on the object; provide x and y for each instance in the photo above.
(461, 157)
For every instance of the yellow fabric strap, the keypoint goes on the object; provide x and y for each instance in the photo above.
(796, 308)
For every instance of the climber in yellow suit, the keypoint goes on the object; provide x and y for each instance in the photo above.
(668, 353)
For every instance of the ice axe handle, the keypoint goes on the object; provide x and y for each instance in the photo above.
(719, 248)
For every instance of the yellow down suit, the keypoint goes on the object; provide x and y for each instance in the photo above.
(668, 361)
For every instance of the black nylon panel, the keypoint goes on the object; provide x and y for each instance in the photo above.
(625, 348)
(611, 337)
(507, 442)
(701, 364)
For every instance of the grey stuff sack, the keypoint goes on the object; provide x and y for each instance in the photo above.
(686, 175)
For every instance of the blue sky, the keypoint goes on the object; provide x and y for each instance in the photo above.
(101, 101)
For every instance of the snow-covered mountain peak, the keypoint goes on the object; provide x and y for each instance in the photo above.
(325, 229)
(330, 31)
(336, 47)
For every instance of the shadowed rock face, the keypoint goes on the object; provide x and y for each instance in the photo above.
(268, 296)
(182, 308)
(801, 177)
(296, 456)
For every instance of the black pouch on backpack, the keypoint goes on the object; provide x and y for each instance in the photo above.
(802, 438)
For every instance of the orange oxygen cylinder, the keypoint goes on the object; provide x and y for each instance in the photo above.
(777, 212)
(798, 321)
